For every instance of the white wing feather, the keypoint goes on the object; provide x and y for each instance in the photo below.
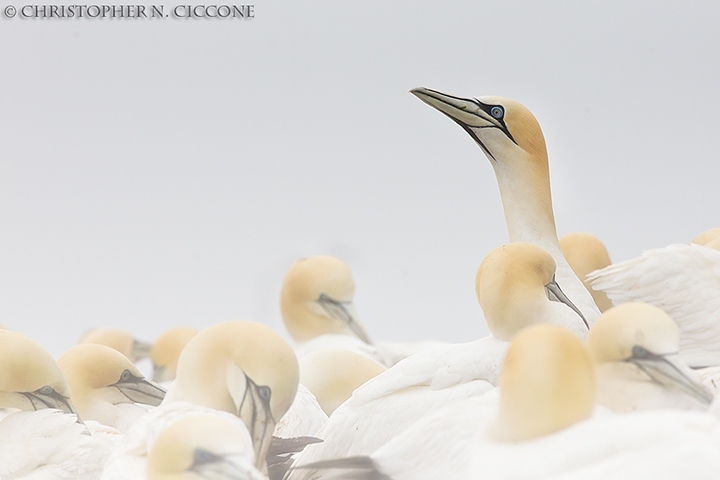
(49, 444)
(684, 281)
(398, 397)
(304, 417)
(457, 443)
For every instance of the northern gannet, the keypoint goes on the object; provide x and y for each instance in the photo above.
(635, 349)
(546, 385)
(203, 446)
(517, 276)
(44, 439)
(106, 387)
(240, 368)
(30, 378)
(512, 140)
(682, 280)
(316, 301)
(516, 287)
(332, 375)
(119, 340)
(586, 253)
(165, 352)
(539, 426)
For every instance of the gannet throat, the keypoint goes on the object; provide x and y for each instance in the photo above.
(663, 370)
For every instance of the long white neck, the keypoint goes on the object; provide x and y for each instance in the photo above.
(525, 191)
(527, 202)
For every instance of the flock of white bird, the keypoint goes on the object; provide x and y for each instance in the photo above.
(558, 390)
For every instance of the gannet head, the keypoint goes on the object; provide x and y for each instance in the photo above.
(586, 253)
(203, 446)
(29, 377)
(512, 139)
(547, 384)
(514, 284)
(243, 368)
(502, 127)
(100, 377)
(714, 244)
(707, 236)
(166, 351)
(119, 340)
(645, 336)
(316, 298)
(332, 375)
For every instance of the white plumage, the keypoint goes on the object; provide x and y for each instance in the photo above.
(682, 280)
(49, 444)
(657, 444)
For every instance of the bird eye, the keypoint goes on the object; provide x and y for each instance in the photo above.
(639, 352)
(46, 390)
(125, 376)
(497, 112)
(201, 457)
(264, 392)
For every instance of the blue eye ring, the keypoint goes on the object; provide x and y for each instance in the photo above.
(497, 112)
(264, 392)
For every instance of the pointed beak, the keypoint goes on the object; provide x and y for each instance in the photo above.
(256, 412)
(343, 312)
(140, 390)
(471, 114)
(555, 293)
(670, 371)
(467, 112)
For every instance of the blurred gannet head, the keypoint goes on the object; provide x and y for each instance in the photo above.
(547, 384)
(316, 298)
(119, 340)
(643, 335)
(243, 368)
(166, 351)
(203, 446)
(515, 285)
(332, 375)
(707, 237)
(100, 377)
(586, 253)
(29, 377)
(714, 244)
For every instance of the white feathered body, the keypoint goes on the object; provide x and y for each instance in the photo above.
(457, 443)
(395, 399)
(49, 445)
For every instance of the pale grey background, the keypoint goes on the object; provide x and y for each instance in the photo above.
(156, 173)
